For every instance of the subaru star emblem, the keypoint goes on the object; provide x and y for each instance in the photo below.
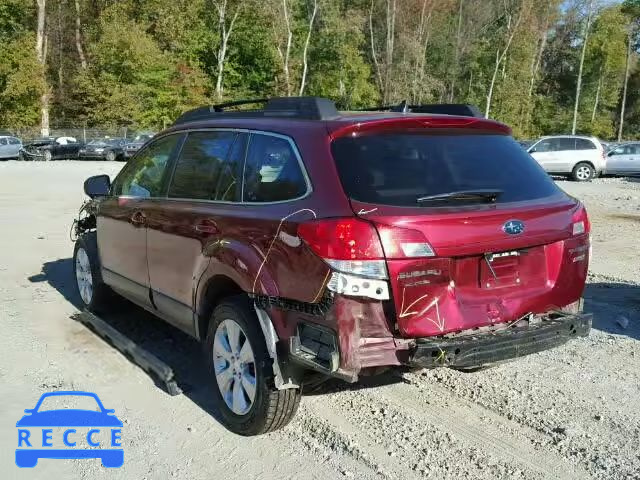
(513, 227)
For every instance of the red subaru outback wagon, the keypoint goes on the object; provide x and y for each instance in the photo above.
(296, 240)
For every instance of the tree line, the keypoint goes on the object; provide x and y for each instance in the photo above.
(541, 66)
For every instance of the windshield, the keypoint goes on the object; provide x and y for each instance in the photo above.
(399, 169)
(70, 401)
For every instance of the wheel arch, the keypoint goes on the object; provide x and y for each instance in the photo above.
(214, 290)
(588, 162)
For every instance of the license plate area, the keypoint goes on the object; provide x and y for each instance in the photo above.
(503, 269)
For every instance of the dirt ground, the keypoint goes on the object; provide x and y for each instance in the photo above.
(573, 412)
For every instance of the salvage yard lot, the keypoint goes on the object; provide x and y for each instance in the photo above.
(572, 412)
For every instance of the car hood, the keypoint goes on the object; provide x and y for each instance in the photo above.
(69, 418)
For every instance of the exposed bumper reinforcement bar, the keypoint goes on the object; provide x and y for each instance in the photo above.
(474, 350)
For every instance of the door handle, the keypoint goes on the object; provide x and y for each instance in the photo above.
(138, 218)
(206, 226)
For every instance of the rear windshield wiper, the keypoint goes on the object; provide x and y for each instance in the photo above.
(482, 195)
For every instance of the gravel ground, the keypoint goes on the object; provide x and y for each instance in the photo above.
(573, 412)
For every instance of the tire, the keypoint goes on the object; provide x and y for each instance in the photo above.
(95, 296)
(48, 156)
(270, 409)
(111, 156)
(583, 172)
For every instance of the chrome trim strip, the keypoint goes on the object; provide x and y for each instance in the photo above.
(251, 132)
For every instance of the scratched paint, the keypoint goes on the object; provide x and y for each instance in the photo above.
(273, 241)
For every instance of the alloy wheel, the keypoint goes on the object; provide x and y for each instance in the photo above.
(83, 276)
(583, 173)
(235, 367)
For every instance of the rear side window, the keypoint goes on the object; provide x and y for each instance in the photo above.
(3, 141)
(584, 144)
(397, 169)
(143, 176)
(198, 168)
(14, 141)
(272, 171)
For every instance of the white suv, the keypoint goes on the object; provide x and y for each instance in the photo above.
(581, 157)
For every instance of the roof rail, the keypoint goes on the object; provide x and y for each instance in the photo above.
(461, 109)
(306, 108)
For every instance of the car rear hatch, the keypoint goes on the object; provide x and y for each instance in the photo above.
(474, 233)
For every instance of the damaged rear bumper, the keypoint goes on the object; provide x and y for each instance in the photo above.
(473, 350)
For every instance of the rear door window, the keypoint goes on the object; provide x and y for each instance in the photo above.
(272, 172)
(584, 144)
(397, 169)
(229, 181)
(198, 167)
(566, 144)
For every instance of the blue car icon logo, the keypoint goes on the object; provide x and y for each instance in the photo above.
(84, 433)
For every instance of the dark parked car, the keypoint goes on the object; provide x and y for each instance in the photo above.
(299, 239)
(107, 149)
(50, 148)
(132, 147)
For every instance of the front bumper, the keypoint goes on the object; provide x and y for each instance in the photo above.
(474, 350)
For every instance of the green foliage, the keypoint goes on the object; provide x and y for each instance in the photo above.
(20, 82)
(148, 61)
(131, 81)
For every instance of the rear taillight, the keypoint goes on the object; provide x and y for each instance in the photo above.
(349, 245)
(580, 221)
(404, 243)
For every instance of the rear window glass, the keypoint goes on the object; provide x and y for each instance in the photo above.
(397, 169)
(584, 144)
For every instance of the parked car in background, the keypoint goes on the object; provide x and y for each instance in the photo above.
(9, 147)
(106, 149)
(580, 157)
(624, 159)
(299, 241)
(132, 147)
(50, 148)
(526, 143)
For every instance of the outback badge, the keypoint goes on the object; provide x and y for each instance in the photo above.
(513, 227)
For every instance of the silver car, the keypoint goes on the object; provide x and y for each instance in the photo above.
(580, 157)
(9, 147)
(624, 159)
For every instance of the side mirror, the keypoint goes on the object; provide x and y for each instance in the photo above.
(97, 186)
(532, 150)
(28, 410)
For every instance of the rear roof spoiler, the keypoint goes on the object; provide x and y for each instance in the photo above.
(460, 109)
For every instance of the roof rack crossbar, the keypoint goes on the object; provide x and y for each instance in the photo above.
(221, 106)
(306, 108)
